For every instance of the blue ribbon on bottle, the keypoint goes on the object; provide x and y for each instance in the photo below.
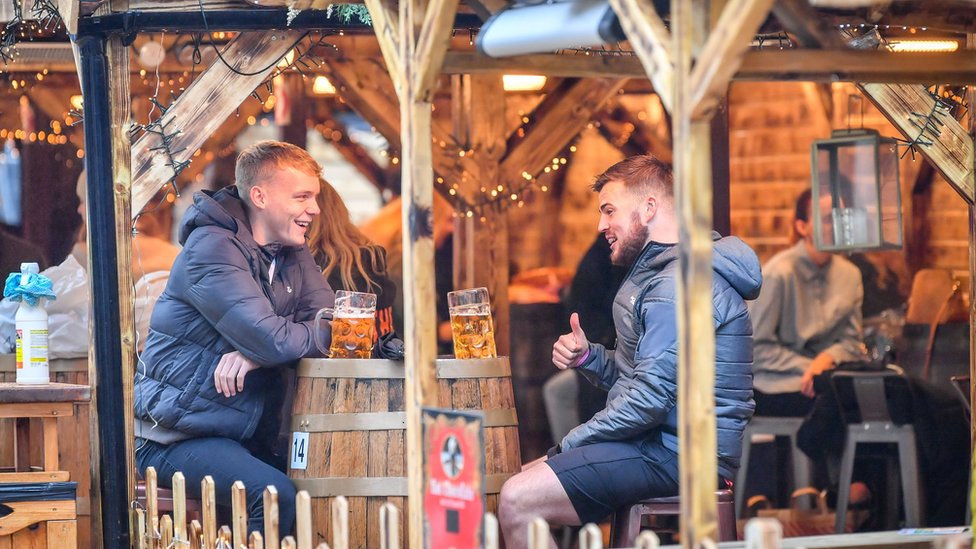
(30, 288)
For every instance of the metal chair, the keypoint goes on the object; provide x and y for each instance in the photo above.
(864, 399)
(777, 427)
(626, 522)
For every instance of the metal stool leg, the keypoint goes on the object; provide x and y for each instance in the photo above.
(911, 487)
(740, 475)
(844, 484)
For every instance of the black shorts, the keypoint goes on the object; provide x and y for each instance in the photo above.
(601, 478)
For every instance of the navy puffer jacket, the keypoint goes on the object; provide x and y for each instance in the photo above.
(641, 374)
(218, 299)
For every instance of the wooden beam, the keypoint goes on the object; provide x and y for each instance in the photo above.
(355, 154)
(481, 244)
(69, 9)
(365, 87)
(223, 137)
(651, 41)
(696, 335)
(558, 119)
(386, 28)
(205, 104)
(431, 46)
(622, 129)
(806, 25)
(951, 152)
(722, 54)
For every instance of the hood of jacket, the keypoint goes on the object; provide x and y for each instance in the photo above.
(223, 208)
(732, 259)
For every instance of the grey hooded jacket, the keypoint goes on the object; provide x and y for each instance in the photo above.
(641, 373)
(218, 299)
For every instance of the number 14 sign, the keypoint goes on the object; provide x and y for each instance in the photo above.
(299, 450)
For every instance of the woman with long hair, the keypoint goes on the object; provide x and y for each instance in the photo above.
(349, 260)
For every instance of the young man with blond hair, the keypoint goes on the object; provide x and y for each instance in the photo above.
(238, 308)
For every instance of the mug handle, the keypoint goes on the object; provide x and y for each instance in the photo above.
(318, 334)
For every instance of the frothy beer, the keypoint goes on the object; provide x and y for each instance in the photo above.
(472, 330)
(352, 334)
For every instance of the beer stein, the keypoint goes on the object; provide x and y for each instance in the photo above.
(471, 326)
(353, 325)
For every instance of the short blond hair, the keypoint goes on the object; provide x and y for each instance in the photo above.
(258, 161)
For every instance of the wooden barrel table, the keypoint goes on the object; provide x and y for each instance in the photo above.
(353, 412)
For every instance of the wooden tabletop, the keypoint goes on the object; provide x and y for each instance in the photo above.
(12, 393)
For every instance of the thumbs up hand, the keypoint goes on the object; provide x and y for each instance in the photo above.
(570, 348)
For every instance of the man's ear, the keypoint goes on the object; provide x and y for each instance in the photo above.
(648, 209)
(801, 228)
(259, 198)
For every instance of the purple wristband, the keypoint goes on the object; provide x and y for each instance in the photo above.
(583, 358)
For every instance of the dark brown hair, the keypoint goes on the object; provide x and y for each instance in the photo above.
(643, 174)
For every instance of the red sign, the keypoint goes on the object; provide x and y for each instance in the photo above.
(454, 472)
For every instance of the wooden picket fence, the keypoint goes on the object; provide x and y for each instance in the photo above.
(154, 531)
(151, 530)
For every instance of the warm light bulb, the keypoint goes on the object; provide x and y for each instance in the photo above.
(523, 82)
(77, 102)
(322, 86)
(923, 45)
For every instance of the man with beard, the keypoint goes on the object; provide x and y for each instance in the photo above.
(629, 450)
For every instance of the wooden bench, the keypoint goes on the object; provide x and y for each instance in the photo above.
(47, 403)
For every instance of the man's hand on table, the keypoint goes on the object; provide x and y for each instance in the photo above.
(230, 373)
(820, 364)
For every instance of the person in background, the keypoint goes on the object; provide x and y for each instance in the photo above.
(349, 261)
(629, 450)
(806, 320)
(237, 311)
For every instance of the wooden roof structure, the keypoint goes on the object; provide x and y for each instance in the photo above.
(689, 62)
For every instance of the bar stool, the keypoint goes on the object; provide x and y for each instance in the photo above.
(864, 402)
(776, 427)
(626, 522)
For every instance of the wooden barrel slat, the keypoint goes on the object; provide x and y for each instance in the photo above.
(337, 458)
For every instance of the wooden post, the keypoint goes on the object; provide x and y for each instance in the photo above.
(389, 526)
(109, 410)
(179, 508)
(196, 535)
(413, 45)
(152, 505)
(763, 533)
(288, 543)
(539, 536)
(255, 541)
(340, 523)
(238, 501)
(303, 516)
(271, 517)
(209, 497)
(140, 533)
(696, 335)
(481, 244)
(491, 531)
(591, 537)
(166, 532)
(647, 540)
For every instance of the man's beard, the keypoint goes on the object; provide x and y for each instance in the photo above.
(629, 248)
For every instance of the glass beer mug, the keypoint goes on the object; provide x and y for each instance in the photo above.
(353, 325)
(471, 326)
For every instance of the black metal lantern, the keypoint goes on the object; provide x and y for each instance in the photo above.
(856, 199)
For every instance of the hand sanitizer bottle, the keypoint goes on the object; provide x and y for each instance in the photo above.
(31, 325)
